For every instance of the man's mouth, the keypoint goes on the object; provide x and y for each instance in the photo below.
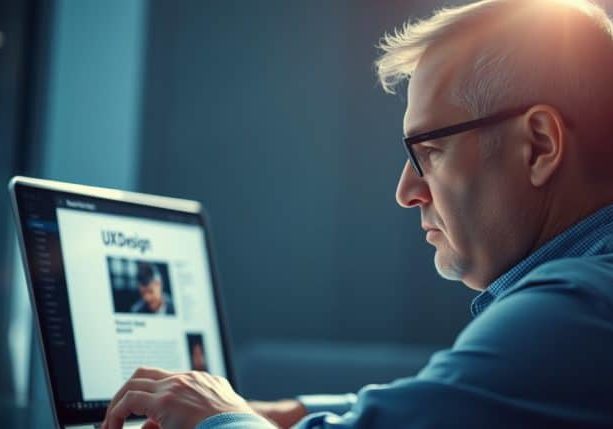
(432, 234)
(428, 227)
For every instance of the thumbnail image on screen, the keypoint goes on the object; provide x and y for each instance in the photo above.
(197, 356)
(140, 287)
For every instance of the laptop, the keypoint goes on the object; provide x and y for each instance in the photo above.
(117, 280)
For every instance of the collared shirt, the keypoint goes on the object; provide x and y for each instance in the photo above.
(539, 354)
(582, 239)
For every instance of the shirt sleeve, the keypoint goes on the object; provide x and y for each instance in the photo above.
(537, 358)
(235, 421)
(337, 404)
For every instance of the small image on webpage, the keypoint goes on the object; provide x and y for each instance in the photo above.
(197, 355)
(140, 287)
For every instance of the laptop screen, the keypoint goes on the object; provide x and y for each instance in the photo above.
(117, 286)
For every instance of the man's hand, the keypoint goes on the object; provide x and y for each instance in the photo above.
(284, 413)
(173, 400)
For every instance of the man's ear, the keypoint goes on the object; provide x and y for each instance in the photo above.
(545, 134)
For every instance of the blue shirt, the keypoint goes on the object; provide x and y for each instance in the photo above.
(539, 353)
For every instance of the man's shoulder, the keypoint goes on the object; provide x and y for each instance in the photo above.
(582, 268)
(563, 306)
(558, 292)
(138, 307)
(548, 341)
(588, 273)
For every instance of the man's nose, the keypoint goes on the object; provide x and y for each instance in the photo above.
(412, 190)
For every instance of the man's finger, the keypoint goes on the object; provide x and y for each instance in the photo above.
(151, 373)
(150, 424)
(133, 402)
(141, 373)
(136, 384)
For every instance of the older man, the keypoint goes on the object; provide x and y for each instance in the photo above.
(509, 131)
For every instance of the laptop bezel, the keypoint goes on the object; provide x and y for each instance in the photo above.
(154, 201)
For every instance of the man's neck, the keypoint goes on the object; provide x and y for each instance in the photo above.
(559, 219)
(552, 221)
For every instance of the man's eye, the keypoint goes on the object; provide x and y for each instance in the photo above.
(427, 155)
(427, 152)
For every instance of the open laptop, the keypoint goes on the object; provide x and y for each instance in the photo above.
(117, 280)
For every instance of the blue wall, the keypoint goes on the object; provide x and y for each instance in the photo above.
(270, 114)
(92, 120)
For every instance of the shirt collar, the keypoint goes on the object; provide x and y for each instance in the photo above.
(580, 239)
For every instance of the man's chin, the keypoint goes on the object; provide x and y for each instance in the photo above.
(448, 268)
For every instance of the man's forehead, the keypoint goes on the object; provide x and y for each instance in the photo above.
(423, 106)
(429, 93)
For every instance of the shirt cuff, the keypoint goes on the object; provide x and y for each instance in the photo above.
(337, 404)
(235, 421)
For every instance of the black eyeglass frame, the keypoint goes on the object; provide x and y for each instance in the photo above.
(439, 133)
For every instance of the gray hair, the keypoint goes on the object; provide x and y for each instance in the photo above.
(558, 52)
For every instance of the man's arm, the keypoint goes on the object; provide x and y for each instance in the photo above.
(537, 358)
(284, 413)
(288, 412)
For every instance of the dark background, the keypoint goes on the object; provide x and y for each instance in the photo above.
(269, 113)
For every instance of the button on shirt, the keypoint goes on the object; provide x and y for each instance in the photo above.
(539, 353)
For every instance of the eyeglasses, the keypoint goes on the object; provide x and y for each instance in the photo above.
(456, 129)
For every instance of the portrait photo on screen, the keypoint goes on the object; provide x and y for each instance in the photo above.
(140, 287)
(197, 355)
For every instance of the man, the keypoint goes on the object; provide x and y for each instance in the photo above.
(517, 201)
(153, 299)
